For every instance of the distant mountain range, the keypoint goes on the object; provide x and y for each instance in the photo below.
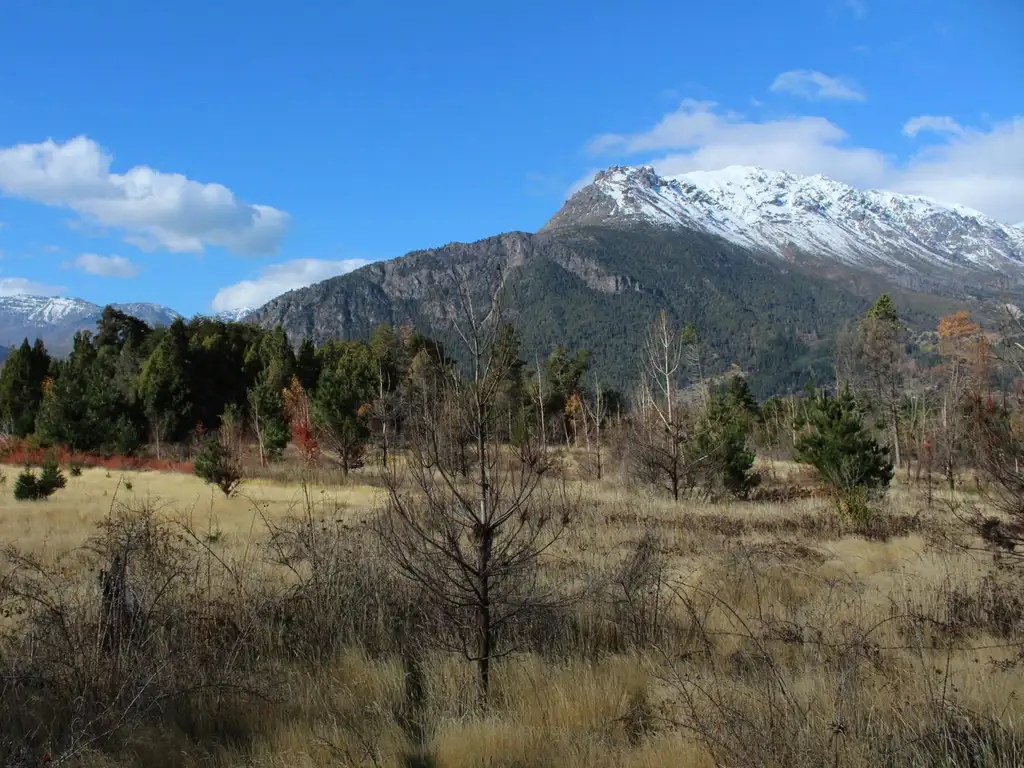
(57, 320)
(766, 264)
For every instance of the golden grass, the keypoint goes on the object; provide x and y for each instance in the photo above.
(69, 518)
(811, 636)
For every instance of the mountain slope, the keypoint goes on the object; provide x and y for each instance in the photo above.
(599, 287)
(56, 320)
(912, 240)
(767, 265)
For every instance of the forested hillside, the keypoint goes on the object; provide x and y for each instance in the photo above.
(596, 288)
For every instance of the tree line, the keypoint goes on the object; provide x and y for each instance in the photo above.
(127, 387)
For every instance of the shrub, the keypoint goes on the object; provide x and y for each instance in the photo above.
(25, 487)
(75, 470)
(50, 479)
(28, 487)
(847, 457)
(216, 465)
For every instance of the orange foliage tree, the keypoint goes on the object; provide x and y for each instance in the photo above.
(300, 422)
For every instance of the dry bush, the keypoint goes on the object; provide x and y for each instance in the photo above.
(83, 672)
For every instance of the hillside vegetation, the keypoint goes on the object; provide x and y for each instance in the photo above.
(596, 288)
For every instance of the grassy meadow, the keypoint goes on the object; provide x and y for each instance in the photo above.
(689, 635)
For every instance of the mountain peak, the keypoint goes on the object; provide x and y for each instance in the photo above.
(783, 214)
(55, 319)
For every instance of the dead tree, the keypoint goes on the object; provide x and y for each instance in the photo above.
(471, 544)
(665, 428)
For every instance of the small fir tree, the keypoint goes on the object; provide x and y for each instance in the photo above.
(28, 487)
(25, 487)
(849, 460)
(727, 437)
(217, 466)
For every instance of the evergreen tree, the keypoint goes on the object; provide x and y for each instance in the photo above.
(217, 465)
(338, 404)
(387, 354)
(268, 418)
(726, 438)
(117, 329)
(835, 442)
(271, 357)
(163, 387)
(21, 387)
(307, 365)
(87, 408)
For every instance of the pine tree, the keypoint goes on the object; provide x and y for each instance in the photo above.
(726, 437)
(163, 387)
(307, 365)
(217, 465)
(345, 389)
(21, 387)
(847, 457)
(268, 418)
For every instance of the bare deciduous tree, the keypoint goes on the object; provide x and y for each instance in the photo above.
(665, 427)
(471, 543)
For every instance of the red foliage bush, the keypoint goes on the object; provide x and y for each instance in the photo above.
(13, 451)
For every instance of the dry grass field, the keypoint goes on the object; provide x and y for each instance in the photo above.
(691, 635)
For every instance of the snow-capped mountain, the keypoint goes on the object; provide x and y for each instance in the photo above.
(812, 216)
(234, 315)
(55, 320)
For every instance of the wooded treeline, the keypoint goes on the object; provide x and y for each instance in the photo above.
(128, 388)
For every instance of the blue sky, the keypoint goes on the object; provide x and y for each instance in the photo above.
(206, 155)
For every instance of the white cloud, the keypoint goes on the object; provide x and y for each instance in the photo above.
(817, 86)
(982, 169)
(276, 279)
(167, 209)
(710, 138)
(105, 266)
(17, 286)
(933, 123)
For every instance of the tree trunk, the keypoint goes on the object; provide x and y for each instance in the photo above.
(484, 629)
(485, 537)
(896, 435)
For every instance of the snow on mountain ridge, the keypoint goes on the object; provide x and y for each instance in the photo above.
(780, 212)
(56, 319)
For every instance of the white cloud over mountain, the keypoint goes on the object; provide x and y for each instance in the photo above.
(105, 266)
(276, 279)
(152, 208)
(979, 168)
(17, 286)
